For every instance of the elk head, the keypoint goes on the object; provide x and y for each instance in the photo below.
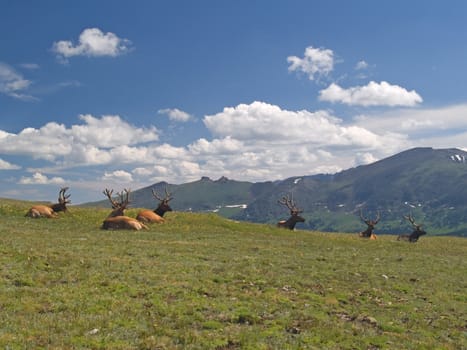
(163, 206)
(118, 205)
(50, 211)
(294, 213)
(417, 232)
(63, 200)
(368, 233)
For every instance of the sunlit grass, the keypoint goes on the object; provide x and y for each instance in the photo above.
(202, 282)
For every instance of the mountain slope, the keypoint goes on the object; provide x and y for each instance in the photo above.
(429, 183)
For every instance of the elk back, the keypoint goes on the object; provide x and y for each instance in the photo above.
(41, 211)
(148, 216)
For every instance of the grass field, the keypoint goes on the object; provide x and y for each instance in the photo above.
(199, 281)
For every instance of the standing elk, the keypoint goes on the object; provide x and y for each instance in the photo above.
(417, 232)
(294, 214)
(156, 215)
(116, 219)
(50, 211)
(368, 233)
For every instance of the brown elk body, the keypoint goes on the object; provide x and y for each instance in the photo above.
(156, 215)
(415, 235)
(50, 211)
(116, 219)
(294, 214)
(368, 233)
(122, 223)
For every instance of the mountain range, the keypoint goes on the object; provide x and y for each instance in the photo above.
(429, 184)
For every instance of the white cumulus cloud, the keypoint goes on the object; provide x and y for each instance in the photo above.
(372, 94)
(92, 42)
(41, 179)
(260, 122)
(4, 165)
(176, 115)
(361, 65)
(13, 83)
(118, 176)
(90, 143)
(315, 63)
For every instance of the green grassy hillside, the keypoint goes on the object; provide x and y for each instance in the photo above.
(199, 281)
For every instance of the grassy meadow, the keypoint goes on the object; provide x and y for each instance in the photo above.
(199, 281)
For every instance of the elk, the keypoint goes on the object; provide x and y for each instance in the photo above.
(294, 214)
(50, 211)
(368, 233)
(148, 216)
(417, 232)
(116, 220)
(118, 207)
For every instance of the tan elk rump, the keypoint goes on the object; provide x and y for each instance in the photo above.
(50, 211)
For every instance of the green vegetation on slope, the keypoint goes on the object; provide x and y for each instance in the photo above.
(199, 281)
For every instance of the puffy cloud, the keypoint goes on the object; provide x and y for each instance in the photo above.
(227, 145)
(365, 158)
(166, 151)
(176, 115)
(373, 94)
(13, 84)
(361, 65)
(4, 165)
(262, 122)
(315, 63)
(110, 131)
(262, 141)
(88, 143)
(41, 179)
(118, 176)
(443, 127)
(93, 43)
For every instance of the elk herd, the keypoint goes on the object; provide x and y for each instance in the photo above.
(117, 219)
(367, 233)
(119, 202)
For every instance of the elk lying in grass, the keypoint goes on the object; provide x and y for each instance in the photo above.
(368, 233)
(294, 214)
(50, 211)
(116, 219)
(149, 216)
(415, 235)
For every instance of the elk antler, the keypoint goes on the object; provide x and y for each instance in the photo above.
(62, 198)
(411, 220)
(378, 216)
(368, 220)
(108, 193)
(118, 206)
(289, 203)
(168, 196)
(362, 218)
(124, 198)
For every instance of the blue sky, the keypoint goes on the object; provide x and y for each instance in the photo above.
(121, 94)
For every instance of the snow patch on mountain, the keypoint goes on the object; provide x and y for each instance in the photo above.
(459, 158)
